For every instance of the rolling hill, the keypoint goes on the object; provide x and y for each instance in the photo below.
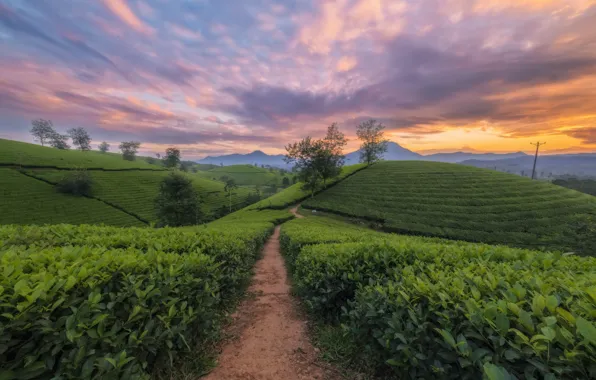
(244, 175)
(548, 166)
(123, 192)
(257, 157)
(461, 202)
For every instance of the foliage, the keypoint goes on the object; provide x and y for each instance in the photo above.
(80, 138)
(42, 130)
(317, 160)
(59, 141)
(76, 182)
(460, 202)
(120, 312)
(129, 149)
(423, 308)
(31, 155)
(104, 147)
(25, 200)
(172, 158)
(587, 186)
(177, 203)
(285, 182)
(373, 142)
(297, 193)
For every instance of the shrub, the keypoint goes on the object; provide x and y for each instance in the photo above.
(76, 182)
(177, 203)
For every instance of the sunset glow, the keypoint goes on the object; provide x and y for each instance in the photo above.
(216, 77)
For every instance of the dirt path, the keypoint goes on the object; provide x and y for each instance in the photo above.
(272, 338)
(295, 212)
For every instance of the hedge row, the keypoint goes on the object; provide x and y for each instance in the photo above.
(423, 309)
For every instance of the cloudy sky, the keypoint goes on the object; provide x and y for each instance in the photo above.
(222, 76)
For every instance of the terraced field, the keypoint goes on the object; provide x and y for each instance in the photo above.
(416, 307)
(135, 191)
(459, 202)
(24, 200)
(244, 175)
(20, 154)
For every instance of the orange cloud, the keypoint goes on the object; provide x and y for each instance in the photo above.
(121, 9)
(346, 64)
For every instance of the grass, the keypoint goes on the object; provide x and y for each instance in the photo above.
(25, 200)
(16, 153)
(296, 193)
(135, 191)
(245, 175)
(459, 202)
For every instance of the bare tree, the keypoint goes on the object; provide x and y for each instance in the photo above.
(374, 143)
(42, 130)
(80, 138)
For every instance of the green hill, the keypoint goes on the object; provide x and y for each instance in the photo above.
(245, 175)
(461, 202)
(20, 154)
(25, 200)
(123, 192)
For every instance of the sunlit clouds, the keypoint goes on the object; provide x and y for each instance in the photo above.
(221, 77)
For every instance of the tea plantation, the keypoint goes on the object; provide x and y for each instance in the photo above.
(461, 202)
(414, 307)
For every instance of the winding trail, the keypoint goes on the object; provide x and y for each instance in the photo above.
(272, 338)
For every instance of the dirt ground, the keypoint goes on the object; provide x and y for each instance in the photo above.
(272, 341)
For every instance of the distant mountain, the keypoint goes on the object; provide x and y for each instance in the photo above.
(257, 157)
(463, 156)
(395, 152)
(580, 165)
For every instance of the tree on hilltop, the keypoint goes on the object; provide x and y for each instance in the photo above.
(228, 188)
(316, 161)
(129, 149)
(374, 143)
(172, 158)
(104, 147)
(80, 138)
(42, 130)
(59, 141)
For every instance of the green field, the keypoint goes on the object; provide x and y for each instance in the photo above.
(25, 200)
(136, 190)
(460, 202)
(246, 175)
(430, 308)
(296, 193)
(20, 154)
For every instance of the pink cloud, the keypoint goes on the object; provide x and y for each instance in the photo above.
(123, 11)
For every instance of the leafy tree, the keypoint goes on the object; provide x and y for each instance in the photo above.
(228, 188)
(80, 138)
(306, 157)
(129, 149)
(172, 158)
(294, 180)
(76, 182)
(285, 182)
(373, 142)
(42, 130)
(331, 158)
(59, 141)
(177, 203)
(104, 147)
(185, 166)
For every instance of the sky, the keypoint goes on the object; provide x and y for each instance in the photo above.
(232, 76)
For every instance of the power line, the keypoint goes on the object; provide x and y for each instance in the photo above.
(538, 144)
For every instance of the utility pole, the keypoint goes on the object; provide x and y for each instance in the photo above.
(536, 156)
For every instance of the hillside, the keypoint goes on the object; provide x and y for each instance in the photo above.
(123, 192)
(20, 154)
(245, 175)
(461, 202)
(257, 157)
